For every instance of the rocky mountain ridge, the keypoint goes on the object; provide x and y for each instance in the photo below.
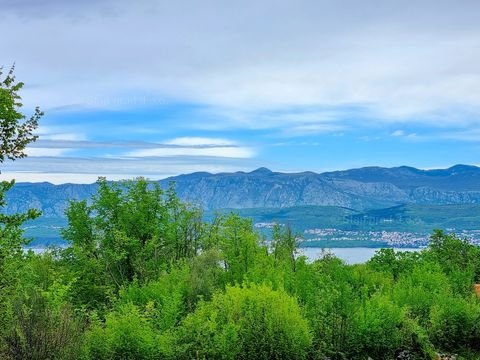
(360, 189)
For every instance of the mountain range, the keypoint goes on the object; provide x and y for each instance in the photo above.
(362, 189)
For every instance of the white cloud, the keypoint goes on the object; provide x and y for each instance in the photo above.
(64, 136)
(398, 133)
(46, 132)
(57, 178)
(86, 170)
(472, 135)
(199, 141)
(310, 129)
(217, 151)
(38, 151)
(418, 63)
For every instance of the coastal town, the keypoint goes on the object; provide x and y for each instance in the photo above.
(397, 239)
(386, 238)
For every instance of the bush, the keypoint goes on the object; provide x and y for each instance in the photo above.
(421, 289)
(126, 335)
(455, 324)
(253, 322)
(161, 301)
(39, 330)
(382, 330)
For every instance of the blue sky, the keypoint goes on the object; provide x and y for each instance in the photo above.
(159, 88)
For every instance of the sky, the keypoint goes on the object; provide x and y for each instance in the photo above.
(157, 88)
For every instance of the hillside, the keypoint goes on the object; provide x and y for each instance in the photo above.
(409, 218)
(358, 189)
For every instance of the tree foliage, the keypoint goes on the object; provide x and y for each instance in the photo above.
(26, 329)
(16, 131)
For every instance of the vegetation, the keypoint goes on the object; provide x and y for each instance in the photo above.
(15, 132)
(145, 277)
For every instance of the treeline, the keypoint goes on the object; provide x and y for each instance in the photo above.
(145, 278)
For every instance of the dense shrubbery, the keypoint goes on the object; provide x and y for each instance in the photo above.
(249, 322)
(146, 278)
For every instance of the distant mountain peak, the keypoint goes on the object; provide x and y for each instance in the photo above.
(261, 170)
(461, 167)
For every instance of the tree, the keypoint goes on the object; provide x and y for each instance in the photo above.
(132, 230)
(394, 262)
(239, 245)
(15, 131)
(15, 134)
(285, 245)
(459, 259)
(453, 253)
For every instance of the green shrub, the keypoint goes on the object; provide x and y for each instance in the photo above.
(421, 289)
(126, 334)
(252, 322)
(382, 329)
(455, 324)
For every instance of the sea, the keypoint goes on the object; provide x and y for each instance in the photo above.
(356, 255)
